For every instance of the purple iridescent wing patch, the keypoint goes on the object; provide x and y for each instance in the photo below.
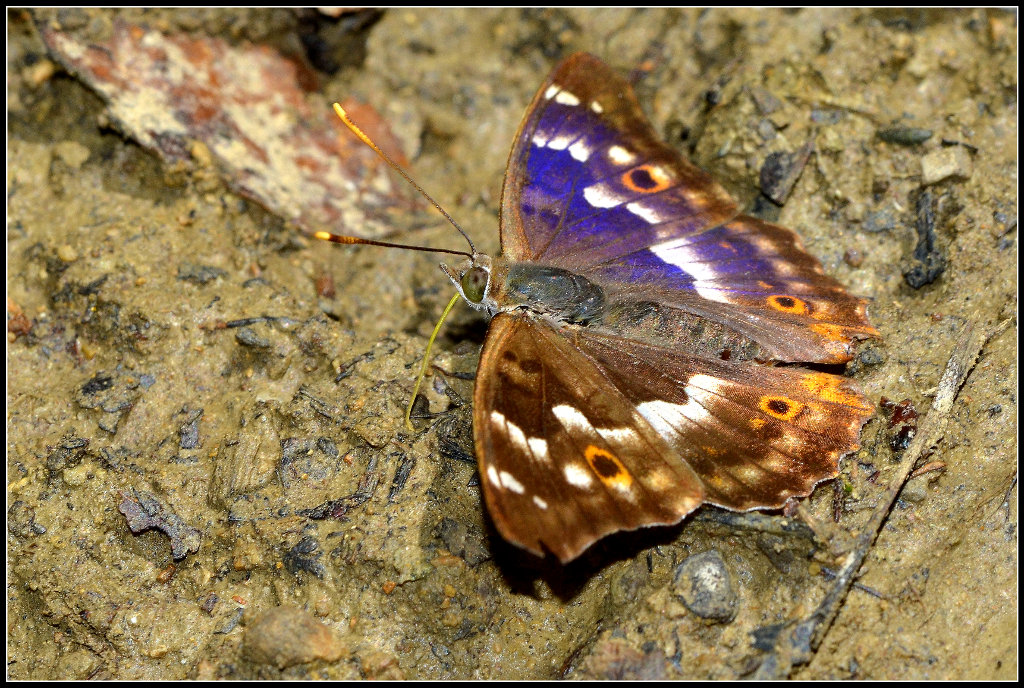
(592, 190)
(584, 168)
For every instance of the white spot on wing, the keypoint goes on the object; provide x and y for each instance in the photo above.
(705, 386)
(492, 476)
(677, 252)
(550, 93)
(509, 481)
(539, 448)
(571, 418)
(649, 215)
(578, 476)
(617, 435)
(668, 418)
(574, 421)
(620, 156)
(536, 446)
(540, 502)
(596, 107)
(560, 142)
(600, 196)
(566, 98)
(580, 150)
(516, 436)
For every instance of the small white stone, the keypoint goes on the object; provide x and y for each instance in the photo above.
(944, 163)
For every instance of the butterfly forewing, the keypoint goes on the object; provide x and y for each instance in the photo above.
(587, 114)
(753, 276)
(591, 189)
(565, 458)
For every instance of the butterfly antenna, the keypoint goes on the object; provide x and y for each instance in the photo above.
(354, 128)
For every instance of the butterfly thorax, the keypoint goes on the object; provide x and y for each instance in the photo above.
(553, 292)
(496, 285)
(566, 298)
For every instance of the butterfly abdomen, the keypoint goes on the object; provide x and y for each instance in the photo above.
(660, 325)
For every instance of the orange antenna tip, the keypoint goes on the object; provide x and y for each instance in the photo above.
(354, 128)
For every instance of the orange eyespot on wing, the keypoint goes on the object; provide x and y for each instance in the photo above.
(780, 407)
(788, 304)
(647, 179)
(608, 468)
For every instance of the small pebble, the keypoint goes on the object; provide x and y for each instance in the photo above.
(41, 72)
(72, 153)
(905, 136)
(954, 161)
(286, 636)
(67, 253)
(703, 584)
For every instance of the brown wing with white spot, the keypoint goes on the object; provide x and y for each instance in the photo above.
(565, 458)
(755, 434)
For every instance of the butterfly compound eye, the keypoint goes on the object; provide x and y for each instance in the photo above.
(474, 284)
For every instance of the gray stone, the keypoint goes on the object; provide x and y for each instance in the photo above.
(703, 584)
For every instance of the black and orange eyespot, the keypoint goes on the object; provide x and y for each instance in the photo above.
(780, 407)
(608, 467)
(646, 179)
(789, 304)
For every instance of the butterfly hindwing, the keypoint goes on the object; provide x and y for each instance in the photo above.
(565, 458)
(755, 434)
(581, 434)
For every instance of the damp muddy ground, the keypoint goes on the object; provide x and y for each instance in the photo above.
(184, 363)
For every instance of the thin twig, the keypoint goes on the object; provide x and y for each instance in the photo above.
(774, 525)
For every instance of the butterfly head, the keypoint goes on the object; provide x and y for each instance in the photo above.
(473, 279)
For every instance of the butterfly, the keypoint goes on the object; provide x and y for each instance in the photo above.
(629, 373)
(631, 370)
